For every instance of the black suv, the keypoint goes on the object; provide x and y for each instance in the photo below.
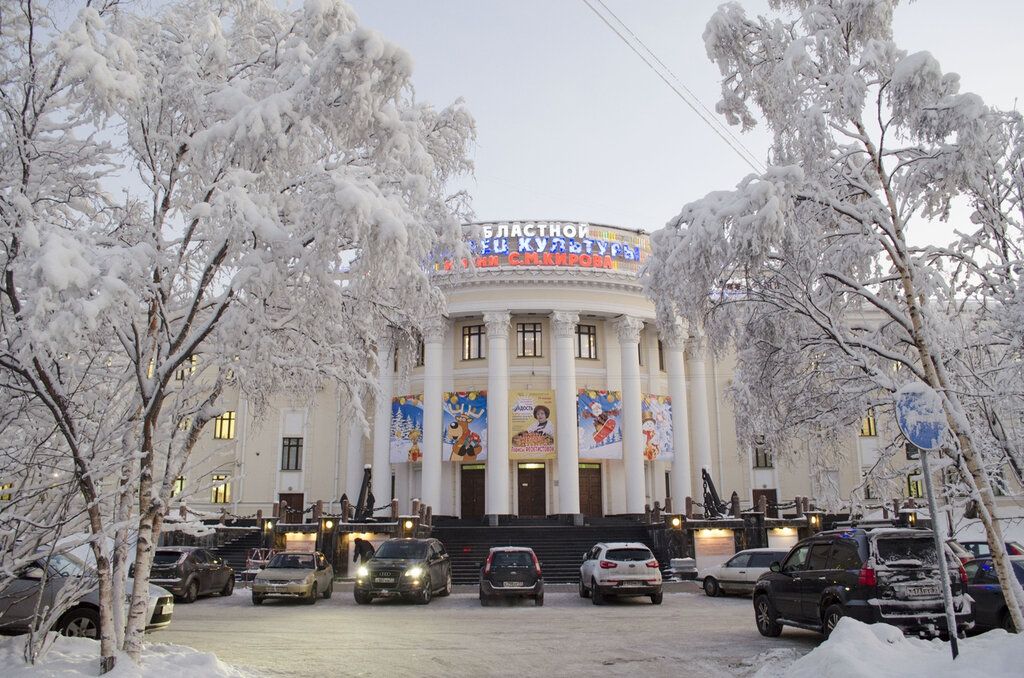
(888, 575)
(408, 568)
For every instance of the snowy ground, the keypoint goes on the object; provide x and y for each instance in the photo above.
(452, 637)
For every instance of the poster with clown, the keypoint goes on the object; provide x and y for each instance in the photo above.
(656, 425)
(406, 428)
(599, 418)
(464, 426)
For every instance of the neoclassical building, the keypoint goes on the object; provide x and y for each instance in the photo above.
(547, 388)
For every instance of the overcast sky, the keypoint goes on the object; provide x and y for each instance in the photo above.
(572, 125)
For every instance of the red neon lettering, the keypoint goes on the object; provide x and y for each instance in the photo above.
(531, 258)
(585, 260)
(561, 259)
(608, 262)
(514, 259)
(574, 259)
(548, 259)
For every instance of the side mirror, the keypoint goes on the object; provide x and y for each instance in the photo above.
(34, 573)
(775, 566)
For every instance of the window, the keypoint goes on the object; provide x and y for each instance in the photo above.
(187, 369)
(661, 356)
(586, 341)
(473, 346)
(529, 340)
(224, 426)
(640, 353)
(291, 454)
(867, 425)
(913, 452)
(869, 493)
(845, 556)
(915, 488)
(179, 486)
(418, 357)
(5, 491)
(762, 457)
(221, 488)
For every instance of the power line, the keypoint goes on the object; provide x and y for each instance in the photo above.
(675, 84)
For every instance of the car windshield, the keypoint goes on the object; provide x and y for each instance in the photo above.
(512, 559)
(299, 561)
(69, 566)
(406, 550)
(629, 554)
(906, 551)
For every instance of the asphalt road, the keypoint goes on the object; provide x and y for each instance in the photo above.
(688, 634)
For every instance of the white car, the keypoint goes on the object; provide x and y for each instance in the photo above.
(620, 569)
(738, 574)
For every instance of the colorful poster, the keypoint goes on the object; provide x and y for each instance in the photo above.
(406, 428)
(599, 416)
(531, 424)
(465, 426)
(656, 424)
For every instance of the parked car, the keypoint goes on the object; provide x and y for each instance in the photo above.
(620, 569)
(888, 575)
(294, 574)
(959, 551)
(980, 548)
(511, 572)
(738, 574)
(990, 610)
(189, 572)
(408, 568)
(46, 577)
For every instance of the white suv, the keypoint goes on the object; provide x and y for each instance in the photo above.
(620, 569)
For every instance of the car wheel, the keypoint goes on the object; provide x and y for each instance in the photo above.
(447, 591)
(584, 593)
(656, 597)
(314, 593)
(711, 587)
(81, 622)
(329, 590)
(538, 600)
(427, 593)
(484, 600)
(833, 613)
(257, 599)
(362, 597)
(595, 593)
(765, 617)
(229, 587)
(191, 592)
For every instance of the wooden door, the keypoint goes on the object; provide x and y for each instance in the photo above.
(590, 490)
(532, 493)
(293, 511)
(473, 484)
(772, 497)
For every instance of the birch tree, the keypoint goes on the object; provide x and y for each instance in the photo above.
(814, 271)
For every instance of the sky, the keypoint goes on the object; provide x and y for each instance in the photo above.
(572, 125)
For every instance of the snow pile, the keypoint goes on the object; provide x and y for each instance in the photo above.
(856, 650)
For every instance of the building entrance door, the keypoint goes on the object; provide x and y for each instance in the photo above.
(590, 490)
(772, 497)
(293, 507)
(473, 483)
(531, 490)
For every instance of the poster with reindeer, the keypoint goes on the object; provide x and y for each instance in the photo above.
(406, 428)
(531, 424)
(656, 425)
(465, 426)
(599, 416)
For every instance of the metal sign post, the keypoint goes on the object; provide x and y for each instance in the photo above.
(922, 419)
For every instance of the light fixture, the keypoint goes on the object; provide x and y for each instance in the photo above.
(329, 524)
(408, 525)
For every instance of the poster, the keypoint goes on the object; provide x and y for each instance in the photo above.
(531, 424)
(656, 425)
(464, 426)
(406, 428)
(599, 417)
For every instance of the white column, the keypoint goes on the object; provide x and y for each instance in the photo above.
(497, 499)
(700, 424)
(682, 485)
(632, 432)
(354, 460)
(563, 326)
(433, 393)
(380, 484)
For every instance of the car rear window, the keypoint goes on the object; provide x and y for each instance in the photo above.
(512, 559)
(906, 551)
(166, 557)
(630, 554)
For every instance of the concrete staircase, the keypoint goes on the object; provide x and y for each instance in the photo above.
(236, 550)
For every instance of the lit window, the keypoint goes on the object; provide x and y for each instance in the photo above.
(529, 341)
(291, 454)
(5, 491)
(224, 426)
(867, 425)
(187, 369)
(179, 486)
(586, 342)
(221, 488)
(915, 487)
(473, 345)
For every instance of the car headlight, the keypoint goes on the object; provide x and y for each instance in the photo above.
(414, 572)
(362, 572)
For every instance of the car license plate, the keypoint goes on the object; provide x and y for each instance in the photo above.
(919, 591)
(384, 580)
(512, 584)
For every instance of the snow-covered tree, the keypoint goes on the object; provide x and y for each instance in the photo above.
(814, 271)
(279, 191)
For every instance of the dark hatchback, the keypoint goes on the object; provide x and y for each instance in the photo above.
(415, 569)
(189, 572)
(886, 575)
(990, 611)
(511, 572)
